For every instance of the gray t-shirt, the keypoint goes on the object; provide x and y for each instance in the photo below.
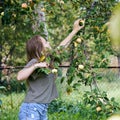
(41, 87)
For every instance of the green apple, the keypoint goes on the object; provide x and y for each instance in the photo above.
(80, 67)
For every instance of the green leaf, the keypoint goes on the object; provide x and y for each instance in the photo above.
(0, 102)
(44, 70)
(70, 80)
(62, 79)
(2, 87)
(75, 85)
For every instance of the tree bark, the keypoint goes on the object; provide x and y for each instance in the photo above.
(40, 18)
(0, 62)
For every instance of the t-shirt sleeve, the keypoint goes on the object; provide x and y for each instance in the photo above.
(31, 62)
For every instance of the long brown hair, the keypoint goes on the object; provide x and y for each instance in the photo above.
(34, 47)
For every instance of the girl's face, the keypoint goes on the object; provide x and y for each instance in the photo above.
(45, 43)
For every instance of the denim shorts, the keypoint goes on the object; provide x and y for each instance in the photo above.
(33, 111)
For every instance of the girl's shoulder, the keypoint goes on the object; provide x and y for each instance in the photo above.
(31, 62)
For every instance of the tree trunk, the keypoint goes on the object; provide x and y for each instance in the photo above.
(40, 18)
(0, 62)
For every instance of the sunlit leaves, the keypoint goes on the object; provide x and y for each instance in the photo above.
(114, 27)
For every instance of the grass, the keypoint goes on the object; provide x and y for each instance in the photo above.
(10, 106)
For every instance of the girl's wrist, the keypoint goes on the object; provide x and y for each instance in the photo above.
(35, 66)
(74, 31)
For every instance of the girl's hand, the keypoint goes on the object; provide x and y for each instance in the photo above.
(40, 65)
(77, 25)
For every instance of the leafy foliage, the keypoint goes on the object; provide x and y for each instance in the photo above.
(91, 108)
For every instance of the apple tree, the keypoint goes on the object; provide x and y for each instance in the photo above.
(90, 49)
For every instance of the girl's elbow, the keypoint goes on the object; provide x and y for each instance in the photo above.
(19, 78)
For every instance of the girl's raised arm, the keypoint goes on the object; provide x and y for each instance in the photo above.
(65, 43)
